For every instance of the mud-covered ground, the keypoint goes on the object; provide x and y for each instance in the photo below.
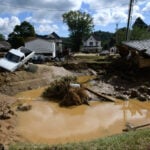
(117, 80)
(35, 77)
(21, 80)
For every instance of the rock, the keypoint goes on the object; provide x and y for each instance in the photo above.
(101, 72)
(142, 97)
(148, 91)
(24, 107)
(123, 97)
(134, 93)
(1, 146)
(11, 112)
(142, 89)
(29, 88)
(119, 88)
(92, 72)
(126, 93)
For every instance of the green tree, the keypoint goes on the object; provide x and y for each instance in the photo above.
(2, 37)
(15, 40)
(24, 30)
(140, 30)
(139, 34)
(120, 35)
(20, 34)
(80, 25)
(139, 23)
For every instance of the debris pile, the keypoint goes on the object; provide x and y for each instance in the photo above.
(66, 93)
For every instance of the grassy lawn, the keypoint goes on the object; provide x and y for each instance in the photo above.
(90, 58)
(134, 140)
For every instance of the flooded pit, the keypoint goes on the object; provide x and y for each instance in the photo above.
(48, 123)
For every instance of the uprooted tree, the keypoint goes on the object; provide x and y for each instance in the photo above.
(62, 92)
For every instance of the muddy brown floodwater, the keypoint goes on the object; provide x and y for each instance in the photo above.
(48, 123)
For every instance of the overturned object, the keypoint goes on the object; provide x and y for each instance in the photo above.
(16, 58)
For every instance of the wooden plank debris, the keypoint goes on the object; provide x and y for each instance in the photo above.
(130, 127)
(108, 98)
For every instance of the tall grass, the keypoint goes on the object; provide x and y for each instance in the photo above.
(134, 140)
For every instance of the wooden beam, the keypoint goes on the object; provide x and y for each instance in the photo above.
(130, 127)
(108, 98)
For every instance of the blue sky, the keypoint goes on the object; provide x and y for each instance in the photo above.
(46, 15)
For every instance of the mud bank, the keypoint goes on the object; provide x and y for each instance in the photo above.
(12, 83)
(8, 132)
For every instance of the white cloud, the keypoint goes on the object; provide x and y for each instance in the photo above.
(46, 28)
(106, 12)
(7, 24)
(45, 15)
(147, 7)
(137, 13)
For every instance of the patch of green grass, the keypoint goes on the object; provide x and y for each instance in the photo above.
(90, 58)
(134, 140)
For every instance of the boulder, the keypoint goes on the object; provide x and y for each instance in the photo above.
(134, 93)
(1, 147)
(142, 89)
(123, 97)
(142, 97)
(148, 91)
(24, 107)
(92, 72)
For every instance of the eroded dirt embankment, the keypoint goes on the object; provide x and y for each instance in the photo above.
(12, 83)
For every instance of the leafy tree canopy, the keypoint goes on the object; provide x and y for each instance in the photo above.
(2, 37)
(20, 34)
(139, 23)
(120, 35)
(15, 40)
(80, 25)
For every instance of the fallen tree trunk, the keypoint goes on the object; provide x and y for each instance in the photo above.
(108, 98)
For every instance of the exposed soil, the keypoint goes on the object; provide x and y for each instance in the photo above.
(7, 126)
(114, 80)
(12, 83)
(117, 79)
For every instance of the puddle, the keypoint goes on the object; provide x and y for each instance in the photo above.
(48, 123)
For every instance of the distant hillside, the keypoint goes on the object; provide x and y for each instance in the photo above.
(107, 38)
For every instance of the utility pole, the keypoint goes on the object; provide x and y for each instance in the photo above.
(129, 19)
(116, 33)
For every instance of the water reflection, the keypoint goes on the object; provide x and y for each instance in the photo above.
(48, 123)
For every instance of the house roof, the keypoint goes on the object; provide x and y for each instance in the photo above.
(52, 36)
(140, 45)
(95, 36)
(98, 38)
(40, 46)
